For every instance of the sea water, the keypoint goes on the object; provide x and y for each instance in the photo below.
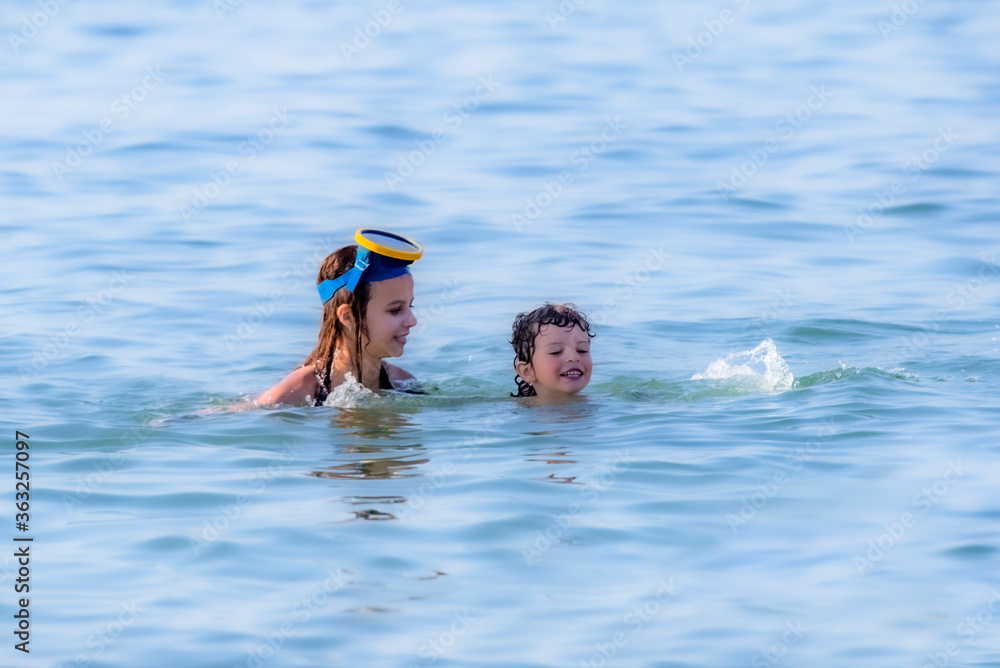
(780, 217)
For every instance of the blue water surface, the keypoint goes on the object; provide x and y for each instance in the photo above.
(781, 217)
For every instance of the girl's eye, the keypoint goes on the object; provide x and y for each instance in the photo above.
(396, 311)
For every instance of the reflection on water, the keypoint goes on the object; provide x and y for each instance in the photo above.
(372, 514)
(566, 417)
(373, 444)
(381, 423)
(555, 457)
(375, 432)
(562, 480)
(364, 500)
(367, 609)
(552, 457)
(383, 467)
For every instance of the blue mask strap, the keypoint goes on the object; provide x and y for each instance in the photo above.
(327, 289)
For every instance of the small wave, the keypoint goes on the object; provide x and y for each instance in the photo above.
(846, 371)
(762, 367)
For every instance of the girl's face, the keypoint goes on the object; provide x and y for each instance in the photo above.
(561, 364)
(389, 316)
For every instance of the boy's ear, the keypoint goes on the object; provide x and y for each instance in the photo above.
(525, 371)
(345, 316)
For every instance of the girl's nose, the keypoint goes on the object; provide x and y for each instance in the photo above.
(412, 320)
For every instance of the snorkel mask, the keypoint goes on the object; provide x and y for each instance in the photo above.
(381, 256)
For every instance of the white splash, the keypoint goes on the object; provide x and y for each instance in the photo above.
(762, 366)
(349, 394)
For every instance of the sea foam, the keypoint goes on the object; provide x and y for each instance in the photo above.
(762, 367)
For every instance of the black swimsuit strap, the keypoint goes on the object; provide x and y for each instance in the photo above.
(324, 390)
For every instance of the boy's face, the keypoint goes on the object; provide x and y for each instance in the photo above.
(561, 364)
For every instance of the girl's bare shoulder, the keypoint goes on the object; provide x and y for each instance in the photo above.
(293, 389)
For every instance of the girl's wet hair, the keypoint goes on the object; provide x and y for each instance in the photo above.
(332, 331)
(528, 325)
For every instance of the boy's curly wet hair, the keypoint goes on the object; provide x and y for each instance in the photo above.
(528, 325)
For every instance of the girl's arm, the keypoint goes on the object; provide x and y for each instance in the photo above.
(294, 389)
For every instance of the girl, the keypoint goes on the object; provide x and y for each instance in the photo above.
(367, 291)
(552, 352)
